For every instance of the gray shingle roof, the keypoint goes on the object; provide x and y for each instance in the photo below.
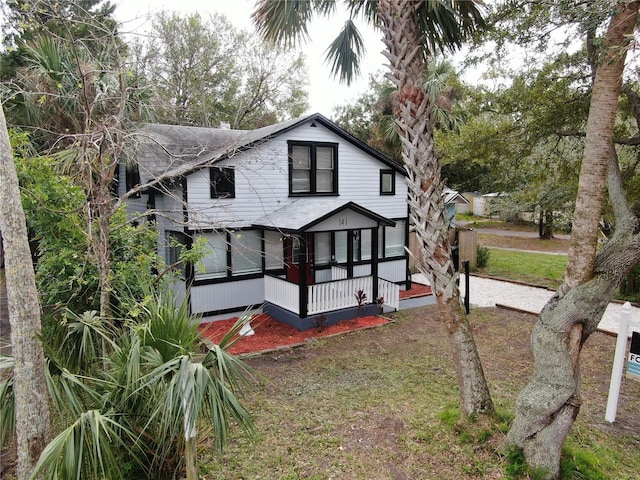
(304, 213)
(171, 151)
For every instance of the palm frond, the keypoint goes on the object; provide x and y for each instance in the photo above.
(345, 53)
(445, 24)
(285, 22)
(233, 335)
(367, 9)
(7, 411)
(46, 54)
(73, 394)
(435, 78)
(82, 341)
(169, 328)
(6, 362)
(86, 449)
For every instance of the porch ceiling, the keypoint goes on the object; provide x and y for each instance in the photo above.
(309, 215)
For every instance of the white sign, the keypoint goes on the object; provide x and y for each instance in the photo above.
(618, 362)
(633, 365)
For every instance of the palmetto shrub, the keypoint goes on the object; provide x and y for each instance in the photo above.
(130, 398)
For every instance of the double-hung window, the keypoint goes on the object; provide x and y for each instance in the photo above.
(222, 181)
(313, 168)
(387, 182)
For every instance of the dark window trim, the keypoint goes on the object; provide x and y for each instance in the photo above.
(229, 276)
(182, 239)
(211, 281)
(393, 182)
(312, 180)
(383, 233)
(229, 174)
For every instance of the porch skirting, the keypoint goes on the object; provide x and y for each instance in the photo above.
(327, 318)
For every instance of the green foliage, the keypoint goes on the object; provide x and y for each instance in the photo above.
(55, 209)
(7, 404)
(576, 464)
(205, 71)
(630, 286)
(449, 416)
(88, 448)
(26, 20)
(536, 268)
(129, 396)
(78, 341)
(516, 466)
(579, 464)
(369, 117)
(483, 256)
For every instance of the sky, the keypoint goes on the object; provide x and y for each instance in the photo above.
(324, 92)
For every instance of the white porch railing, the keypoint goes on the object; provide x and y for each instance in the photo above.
(329, 296)
(325, 297)
(390, 293)
(338, 273)
(282, 293)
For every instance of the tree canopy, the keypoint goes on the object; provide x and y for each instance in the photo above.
(206, 71)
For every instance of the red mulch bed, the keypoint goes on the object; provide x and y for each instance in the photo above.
(416, 290)
(271, 334)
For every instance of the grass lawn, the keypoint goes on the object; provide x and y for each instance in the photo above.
(382, 404)
(536, 268)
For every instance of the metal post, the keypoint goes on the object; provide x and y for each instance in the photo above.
(466, 286)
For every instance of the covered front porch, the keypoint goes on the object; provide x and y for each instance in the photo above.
(331, 265)
(328, 302)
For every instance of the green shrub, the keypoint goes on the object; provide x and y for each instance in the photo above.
(483, 256)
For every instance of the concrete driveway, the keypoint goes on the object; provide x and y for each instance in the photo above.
(487, 292)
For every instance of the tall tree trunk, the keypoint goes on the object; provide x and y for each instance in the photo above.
(30, 387)
(545, 224)
(549, 404)
(415, 124)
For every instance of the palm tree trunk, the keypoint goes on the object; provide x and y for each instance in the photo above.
(191, 458)
(30, 387)
(415, 124)
(549, 404)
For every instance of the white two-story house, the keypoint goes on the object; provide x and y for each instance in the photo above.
(297, 217)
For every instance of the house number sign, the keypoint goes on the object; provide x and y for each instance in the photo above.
(342, 221)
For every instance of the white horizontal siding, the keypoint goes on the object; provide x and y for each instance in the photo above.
(135, 207)
(262, 183)
(169, 208)
(222, 296)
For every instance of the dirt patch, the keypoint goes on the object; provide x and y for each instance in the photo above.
(393, 438)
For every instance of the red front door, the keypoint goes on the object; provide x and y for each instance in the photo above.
(293, 251)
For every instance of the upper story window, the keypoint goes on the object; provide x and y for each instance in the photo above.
(223, 182)
(387, 182)
(313, 168)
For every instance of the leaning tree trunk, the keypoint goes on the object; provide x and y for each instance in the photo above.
(549, 404)
(415, 125)
(29, 383)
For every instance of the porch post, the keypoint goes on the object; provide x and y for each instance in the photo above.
(374, 263)
(349, 253)
(303, 290)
